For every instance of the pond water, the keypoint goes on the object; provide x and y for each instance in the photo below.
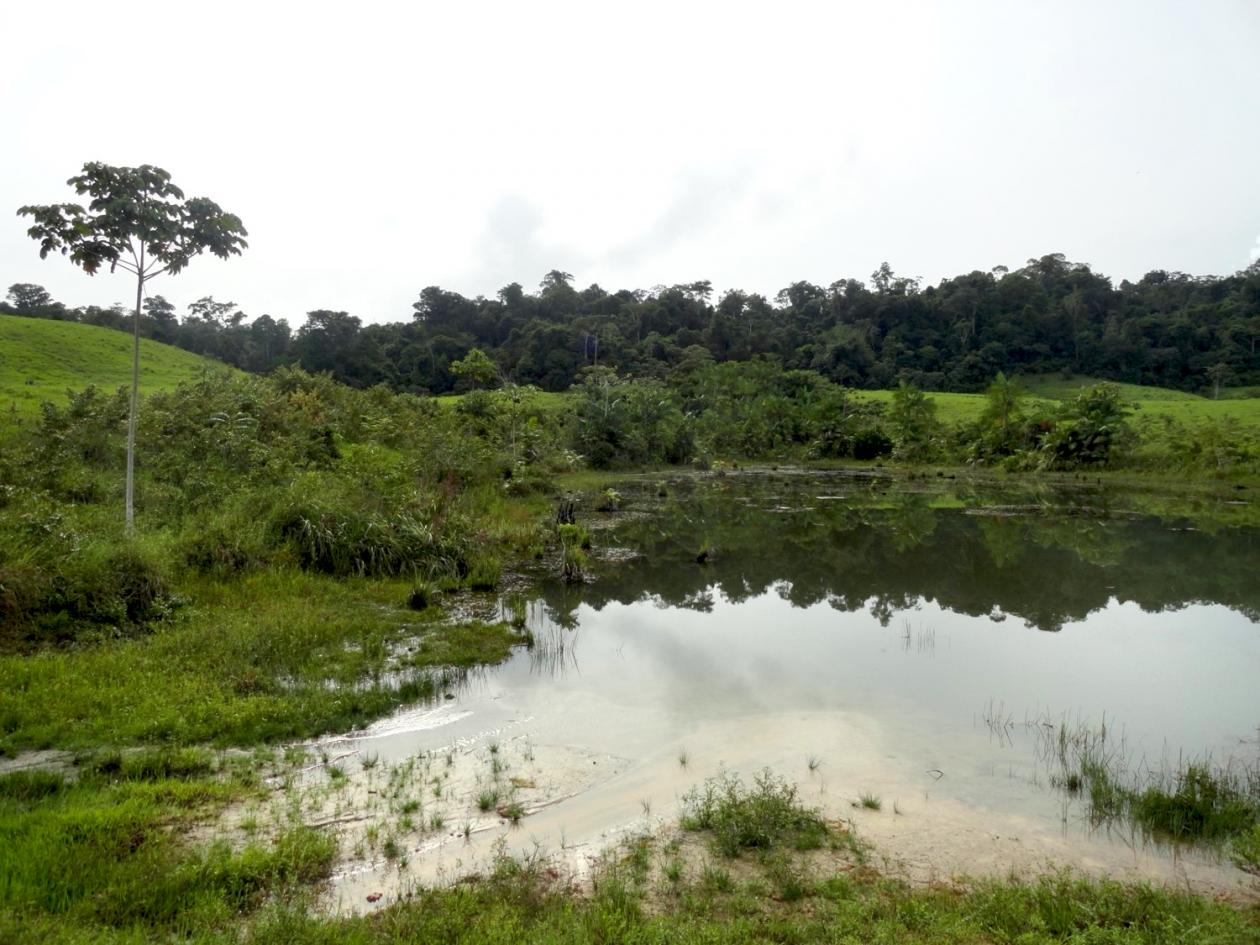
(911, 640)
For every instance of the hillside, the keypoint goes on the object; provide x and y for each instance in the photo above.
(1150, 403)
(40, 360)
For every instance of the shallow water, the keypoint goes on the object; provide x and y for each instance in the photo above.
(914, 640)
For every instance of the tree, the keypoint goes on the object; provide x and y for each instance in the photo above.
(1218, 374)
(476, 366)
(163, 323)
(28, 299)
(140, 222)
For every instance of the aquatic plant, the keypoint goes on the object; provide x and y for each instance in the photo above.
(1194, 801)
(573, 558)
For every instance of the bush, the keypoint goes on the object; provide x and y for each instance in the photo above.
(764, 817)
(346, 541)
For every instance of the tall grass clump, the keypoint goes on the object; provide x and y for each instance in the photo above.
(768, 815)
(59, 584)
(1195, 800)
(344, 541)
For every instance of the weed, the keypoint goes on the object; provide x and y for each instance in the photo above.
(672, 870)
(1195, 801)
(513, 811)
(869, 801)
(786, 878)
(716, 879)
(422, 596)
(1245, 850)
(766, 816)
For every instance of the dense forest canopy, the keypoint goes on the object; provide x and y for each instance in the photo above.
(1168, 329)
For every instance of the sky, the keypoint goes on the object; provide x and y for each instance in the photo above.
(373, 149)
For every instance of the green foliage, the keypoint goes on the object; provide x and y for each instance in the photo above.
(1089, 428)
(476, 367)
(57, 585)
(1201, 803)
(1053, 321)
(765, 817)
(622, 423)
(573, 541)
(333, 539)
(1197, 801)
(133, 207)
(913, 425)
(99, 855)
(1245, 850)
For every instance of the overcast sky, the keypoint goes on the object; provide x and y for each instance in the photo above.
(374, 149)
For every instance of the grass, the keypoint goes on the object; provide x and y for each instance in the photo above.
(870, 801)
(1196, 801)
(764, 817)
(535, 400)
(105, 852)
(274, 655)
(41, 359)
(103, 860)
(1058, 387)
(1153, 404)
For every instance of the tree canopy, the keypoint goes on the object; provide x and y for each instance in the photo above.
(1168, 329)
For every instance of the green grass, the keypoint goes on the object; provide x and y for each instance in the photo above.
(763, 817)
(40, 360)
(1057, 387)
(950, 408)
(1197, 801)
(537, 400)
(105, 860)
(106, 852)
(280, 654)
(1152, 404)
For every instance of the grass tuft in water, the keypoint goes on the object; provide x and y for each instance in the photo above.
(1195, 801)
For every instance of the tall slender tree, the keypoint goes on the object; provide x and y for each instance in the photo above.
(140, 222)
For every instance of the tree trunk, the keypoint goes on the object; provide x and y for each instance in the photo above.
(135, 402)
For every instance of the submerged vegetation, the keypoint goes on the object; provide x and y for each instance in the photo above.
(1193, 800)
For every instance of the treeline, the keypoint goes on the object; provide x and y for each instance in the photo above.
(1168, 329)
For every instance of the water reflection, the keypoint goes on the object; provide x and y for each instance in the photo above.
(884, 547)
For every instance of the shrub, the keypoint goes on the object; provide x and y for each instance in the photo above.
(766, 816)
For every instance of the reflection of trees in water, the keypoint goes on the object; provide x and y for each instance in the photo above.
(881, 547)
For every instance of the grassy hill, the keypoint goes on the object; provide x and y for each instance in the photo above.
(1057, 387)
(1152, 403)
(41, 360)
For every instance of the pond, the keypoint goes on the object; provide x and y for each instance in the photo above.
(913, 642)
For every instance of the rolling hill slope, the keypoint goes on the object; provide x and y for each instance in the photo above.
(41, 360)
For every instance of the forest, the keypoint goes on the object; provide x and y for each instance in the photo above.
(1168, 329)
